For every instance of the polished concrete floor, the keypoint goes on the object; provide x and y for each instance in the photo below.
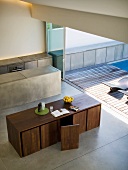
(103, 148)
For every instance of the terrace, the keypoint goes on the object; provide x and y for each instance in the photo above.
(23, 34)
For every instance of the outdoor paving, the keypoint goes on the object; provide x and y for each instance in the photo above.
(91, 80)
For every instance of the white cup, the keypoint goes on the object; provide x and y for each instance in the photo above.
(51, 108)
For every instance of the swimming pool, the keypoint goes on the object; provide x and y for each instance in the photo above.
(121, 64)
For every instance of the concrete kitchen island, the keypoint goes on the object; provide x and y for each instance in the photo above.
(26, 86)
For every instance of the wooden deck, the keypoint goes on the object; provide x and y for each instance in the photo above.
(91, 80)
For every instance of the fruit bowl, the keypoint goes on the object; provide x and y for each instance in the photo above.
(68, 99)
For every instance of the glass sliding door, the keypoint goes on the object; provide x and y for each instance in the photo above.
(56, 45)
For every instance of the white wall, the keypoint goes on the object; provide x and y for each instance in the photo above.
(20, 34)
(75, 38)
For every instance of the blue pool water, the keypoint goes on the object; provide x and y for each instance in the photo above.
(122, 65)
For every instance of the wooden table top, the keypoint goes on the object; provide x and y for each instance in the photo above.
(27, 119)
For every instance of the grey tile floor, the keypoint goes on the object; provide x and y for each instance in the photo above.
(103, 148)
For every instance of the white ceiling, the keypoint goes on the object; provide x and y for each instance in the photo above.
(117, 8)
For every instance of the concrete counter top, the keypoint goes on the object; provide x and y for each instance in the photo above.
(26, 86)
(25, 62)
(34, 57)
(10, 61)
(38, 71)
(11, 77)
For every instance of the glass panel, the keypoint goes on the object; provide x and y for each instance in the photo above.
(55, 45)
